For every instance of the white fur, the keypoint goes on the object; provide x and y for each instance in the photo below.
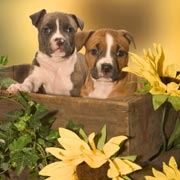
(54, 74)
(107, 58)
(102, 89)
(57, 34)
(103, 86)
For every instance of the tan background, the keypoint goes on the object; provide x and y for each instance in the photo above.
(149, 22)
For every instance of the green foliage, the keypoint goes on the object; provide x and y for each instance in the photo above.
(175, 101)
(174, 139)
(101, 138)
(146, 87)
(161, 100)
(158, 100)
(5, 82)
(3, 60)
(24, 135)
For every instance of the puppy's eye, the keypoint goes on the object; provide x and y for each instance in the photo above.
(47, 30)
(70, 29)
(121, 53)
(94, 52)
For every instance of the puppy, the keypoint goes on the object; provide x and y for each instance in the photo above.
(57, 67)
(106, 54)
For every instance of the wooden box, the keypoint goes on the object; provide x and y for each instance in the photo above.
(132, 116)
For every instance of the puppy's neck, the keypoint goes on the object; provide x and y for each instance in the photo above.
(54, 62)
(41, 55)
(101, 89)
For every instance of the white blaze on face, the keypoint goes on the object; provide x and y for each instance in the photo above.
(107, 58)
(56, 35)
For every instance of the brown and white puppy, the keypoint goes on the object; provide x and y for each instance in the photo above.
(106, 54)
(57, 67)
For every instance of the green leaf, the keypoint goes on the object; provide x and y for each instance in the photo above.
(175, 101)
(20, 143)
(74, 127)
(14, 115)
(40, 115)
(41, 141)
(101, 138)
(130, 158)
(158, 100)
(126, 177)
(25, 158)
(6, 82)
(174, 139)
(3, 60)
(32, 155)
(20, 125)
(53, 134)
(23, 98)
(4, 166)
(40, 107)
(5, 126)
(78, 129)
(146, 87)
(83, 135)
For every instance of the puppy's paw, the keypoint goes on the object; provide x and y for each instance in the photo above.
(14, 88)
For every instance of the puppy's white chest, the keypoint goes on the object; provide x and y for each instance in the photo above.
(57, 74)
(101, 90)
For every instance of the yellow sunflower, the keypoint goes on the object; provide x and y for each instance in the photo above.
(170, 172)
(151, 67)
(74, 151)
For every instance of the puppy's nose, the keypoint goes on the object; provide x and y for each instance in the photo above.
(59, 41)
(106, 67)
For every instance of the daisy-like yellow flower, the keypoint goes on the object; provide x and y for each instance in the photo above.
(74, 151)
(152, 68)
(170, 172)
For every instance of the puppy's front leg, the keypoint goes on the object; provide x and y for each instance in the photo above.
(30, 84)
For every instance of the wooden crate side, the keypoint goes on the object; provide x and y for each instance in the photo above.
(9, 71)
(20, 72)
(92, 113)
(7, 106)
(16, 72)
(145, 125)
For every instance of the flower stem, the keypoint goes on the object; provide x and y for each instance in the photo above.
(163, 134)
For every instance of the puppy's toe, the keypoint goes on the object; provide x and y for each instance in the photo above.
(14, 88)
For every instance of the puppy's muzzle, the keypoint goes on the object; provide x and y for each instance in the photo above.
(106, 68)
(107, 71)
(60, 41)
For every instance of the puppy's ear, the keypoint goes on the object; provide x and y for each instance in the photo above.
(36, 17)
(81, 38)
(78, 21)
(128, 37)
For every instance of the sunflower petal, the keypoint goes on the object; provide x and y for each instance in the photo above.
(91, 140)
(159, 175)
(169, 171)
(55, 152)
(125, 166)
(66, 133)
(112, 171)
(112, 146)
(173, 164)
(57, 169)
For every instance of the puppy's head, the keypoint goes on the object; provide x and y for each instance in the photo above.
(106, 52)
(56, 32)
